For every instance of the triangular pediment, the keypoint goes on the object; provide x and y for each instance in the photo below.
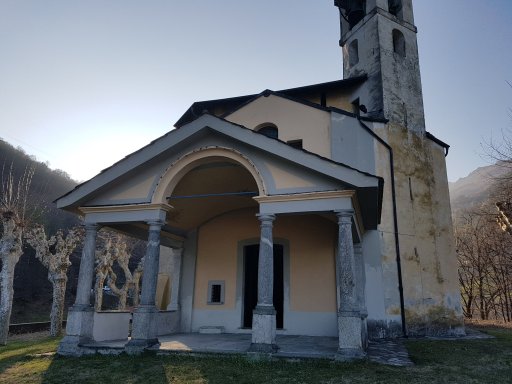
(283, 169)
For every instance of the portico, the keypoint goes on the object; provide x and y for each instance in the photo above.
(179, 193)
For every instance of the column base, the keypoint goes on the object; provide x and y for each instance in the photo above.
(351, 335)
(144, 330)
(71, 346)
(79, 327)
(264, 325)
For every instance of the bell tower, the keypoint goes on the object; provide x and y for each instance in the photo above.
(378, 38)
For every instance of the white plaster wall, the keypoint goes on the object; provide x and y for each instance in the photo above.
(111, 325)
(351, 144)
(297, 323)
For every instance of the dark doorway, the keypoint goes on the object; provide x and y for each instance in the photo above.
(251, 257)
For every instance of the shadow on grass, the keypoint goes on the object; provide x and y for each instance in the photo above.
(15, 351)
(464, 361)
(149, 368)
(106, 369)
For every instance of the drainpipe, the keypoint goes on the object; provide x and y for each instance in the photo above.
(395, 222)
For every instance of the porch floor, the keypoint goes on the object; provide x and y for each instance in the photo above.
(289, 346)
(389, 352)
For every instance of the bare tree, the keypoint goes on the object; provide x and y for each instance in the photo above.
(54, 254)
(131, 280)
(484, 242)
(500, 153)
(13, 217)
(115, 249)
(485, 265)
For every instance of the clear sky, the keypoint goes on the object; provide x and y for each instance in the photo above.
(84, 83)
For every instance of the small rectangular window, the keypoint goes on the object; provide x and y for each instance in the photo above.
(295, 143)
(215, 292)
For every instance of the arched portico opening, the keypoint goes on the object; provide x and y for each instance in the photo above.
(200, 187)
(204, 157)
(209, 189)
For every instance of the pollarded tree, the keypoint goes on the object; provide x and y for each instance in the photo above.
(13, 218)
(54, 254)
(131, 282)
(116, 248)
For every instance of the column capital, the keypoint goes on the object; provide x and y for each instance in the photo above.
(266, 217)
(155, 224)
(344, 216)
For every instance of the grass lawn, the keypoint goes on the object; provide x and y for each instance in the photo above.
(29, 360)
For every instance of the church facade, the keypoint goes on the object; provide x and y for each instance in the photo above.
(321, 210)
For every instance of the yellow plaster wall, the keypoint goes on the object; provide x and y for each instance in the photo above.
(137, 187)
(294, 121)
(312, 263)
(341, 100)
(312, 268)
(284, 179)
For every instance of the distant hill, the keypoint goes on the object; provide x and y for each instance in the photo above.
(47, 185)
(475, 188)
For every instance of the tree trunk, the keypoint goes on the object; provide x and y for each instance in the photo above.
(59, 294)
(6, 294)
(121, 293)
(10, 252)
(122, 300)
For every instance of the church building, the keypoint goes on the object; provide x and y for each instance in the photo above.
(321, 210)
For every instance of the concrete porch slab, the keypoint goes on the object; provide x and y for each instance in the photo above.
(289, 346)
(389, 352)
(205, 343)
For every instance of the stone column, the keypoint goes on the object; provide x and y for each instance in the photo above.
(144, 325)
(349, 316)
(361, 294)
(81, 315)
(264, 315)
(175, 279)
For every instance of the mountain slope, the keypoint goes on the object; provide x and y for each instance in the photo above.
(476, 187)
(46, 186)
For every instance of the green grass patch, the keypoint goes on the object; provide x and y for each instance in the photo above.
(464, 361)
